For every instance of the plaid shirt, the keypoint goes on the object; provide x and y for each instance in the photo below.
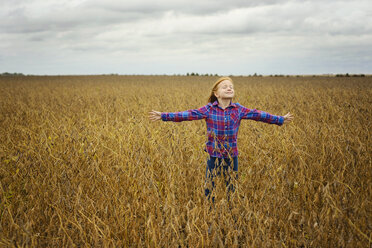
(222, 124)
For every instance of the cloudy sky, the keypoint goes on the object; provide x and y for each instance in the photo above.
(238, 37)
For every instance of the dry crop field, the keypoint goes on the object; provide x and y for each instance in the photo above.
(82, 166)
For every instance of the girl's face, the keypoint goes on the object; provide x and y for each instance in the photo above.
(225, 90)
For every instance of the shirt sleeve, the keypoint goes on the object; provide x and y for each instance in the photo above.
(258, 115)
(188, 115)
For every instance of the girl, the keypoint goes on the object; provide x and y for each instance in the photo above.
(223, 120)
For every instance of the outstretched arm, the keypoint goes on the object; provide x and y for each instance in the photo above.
(258, 115)
(188, 115)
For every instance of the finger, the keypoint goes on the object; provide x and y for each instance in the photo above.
(288, 120)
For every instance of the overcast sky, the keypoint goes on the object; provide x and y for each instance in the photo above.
(238, 37)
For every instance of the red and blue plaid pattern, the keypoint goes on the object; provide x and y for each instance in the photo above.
(222, 124)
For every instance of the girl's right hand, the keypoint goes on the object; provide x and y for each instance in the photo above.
(155, 115)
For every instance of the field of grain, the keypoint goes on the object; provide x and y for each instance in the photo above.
(82, 166)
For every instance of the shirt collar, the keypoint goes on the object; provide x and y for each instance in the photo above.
(233, 105)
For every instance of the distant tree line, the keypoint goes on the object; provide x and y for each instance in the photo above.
(11, 74)
(216, 75)
(197, 74)
(348, 75)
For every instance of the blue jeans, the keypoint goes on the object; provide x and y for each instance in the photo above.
(214, 168)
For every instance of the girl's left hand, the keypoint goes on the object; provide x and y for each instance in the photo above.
(288, 118)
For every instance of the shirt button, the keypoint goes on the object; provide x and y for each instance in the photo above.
(225, 126)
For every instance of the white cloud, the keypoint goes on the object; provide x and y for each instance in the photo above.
(182, 36)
